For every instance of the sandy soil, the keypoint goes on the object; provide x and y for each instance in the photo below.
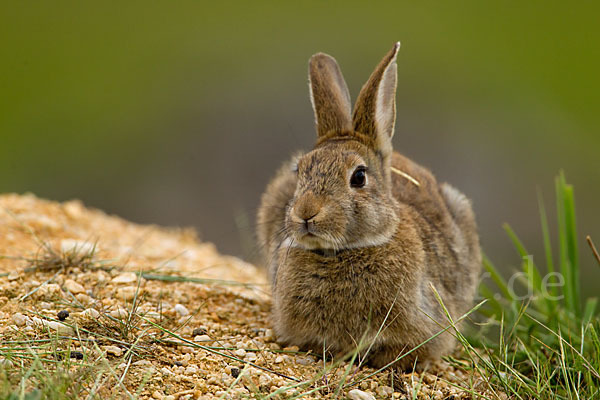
(156, 313)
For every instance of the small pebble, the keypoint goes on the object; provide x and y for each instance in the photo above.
(356, 394)
(19, 319)
(278, 360)
(269, 336)
(385, 391)
(92, 313)
(241, 345)
(304, 360)
(83, 298)
(49, 289)
(74, 287)
(202, 338)
(44, 305)
(125, 277)
(274, 346)
(185, 360)
(199, 331)
(13, 276)
(119, 313)
(128, 292)
(191, 370)
(240, 353)
(59, 328)
(157, 394)
(62, 315)
(153, 315)
(181, 310)
(250, 357)
(264, 380)
(101, 276)
(114, 350)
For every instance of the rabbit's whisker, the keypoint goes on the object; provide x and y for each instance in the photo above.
(405, 175)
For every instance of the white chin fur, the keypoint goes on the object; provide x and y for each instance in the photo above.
(310, 243)
(316, 243)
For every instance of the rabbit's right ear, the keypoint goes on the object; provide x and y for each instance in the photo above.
(375, 108)
(329, 95)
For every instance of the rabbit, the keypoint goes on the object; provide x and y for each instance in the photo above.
(355, 235)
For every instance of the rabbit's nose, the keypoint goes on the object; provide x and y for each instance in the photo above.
(304, 214)
(306, 209)
(308, 223)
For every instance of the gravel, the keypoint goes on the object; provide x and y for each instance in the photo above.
(232, 320)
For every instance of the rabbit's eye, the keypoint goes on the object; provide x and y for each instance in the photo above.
(359, 177)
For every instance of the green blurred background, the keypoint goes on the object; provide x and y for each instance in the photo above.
(178, 113)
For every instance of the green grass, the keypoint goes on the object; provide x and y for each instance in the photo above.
(544, 345)
(51, 368)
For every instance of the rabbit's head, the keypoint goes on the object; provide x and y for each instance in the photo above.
(343, 194)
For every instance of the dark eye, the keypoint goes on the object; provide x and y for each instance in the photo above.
(359, 177)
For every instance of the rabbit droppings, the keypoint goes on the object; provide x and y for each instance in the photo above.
(356, 235)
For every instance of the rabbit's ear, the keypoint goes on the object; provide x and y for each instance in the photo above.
(329, 95)
(375, 109)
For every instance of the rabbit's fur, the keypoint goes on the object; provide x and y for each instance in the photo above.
(357, 263)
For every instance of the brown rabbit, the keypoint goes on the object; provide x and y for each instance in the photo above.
(356, 234)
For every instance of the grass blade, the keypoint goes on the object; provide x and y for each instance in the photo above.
(589, 310)
(546, 238)
(497, 278)
(568, 243)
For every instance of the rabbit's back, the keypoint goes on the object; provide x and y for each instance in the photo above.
(447, 228)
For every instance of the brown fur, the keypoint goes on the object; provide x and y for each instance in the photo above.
(346, 261)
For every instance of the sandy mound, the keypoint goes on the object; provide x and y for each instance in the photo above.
(125, 310)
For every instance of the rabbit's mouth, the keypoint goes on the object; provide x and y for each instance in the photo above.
(310, 240)
(315, 241)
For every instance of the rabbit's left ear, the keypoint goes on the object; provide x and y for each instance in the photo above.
(375, 109)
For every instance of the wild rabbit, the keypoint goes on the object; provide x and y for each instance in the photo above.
(356, 234)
